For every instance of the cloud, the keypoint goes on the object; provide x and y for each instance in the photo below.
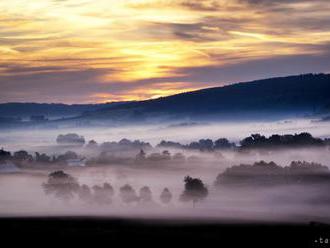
(82, 50)
(257, 69)
(48, 84)
(201, 5)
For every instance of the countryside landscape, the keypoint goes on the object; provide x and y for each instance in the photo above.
(165, 121)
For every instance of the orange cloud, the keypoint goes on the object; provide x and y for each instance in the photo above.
(130, 41)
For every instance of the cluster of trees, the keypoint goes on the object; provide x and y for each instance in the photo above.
(4, 155)
(164, 156)
(122, 145)
(126, 144)
(70, 139)
(61, 185)
(109, 146)
(65, 187)
(256, 141)
(122, 152)
(23, 158)
(263, 173)
(201, 145)
(141, 158)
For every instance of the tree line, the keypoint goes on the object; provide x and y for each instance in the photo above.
(269, 173)
(65, 187)
(254, 141)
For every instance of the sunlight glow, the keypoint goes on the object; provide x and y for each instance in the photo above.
(139, 40)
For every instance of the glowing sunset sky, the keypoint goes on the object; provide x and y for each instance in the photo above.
(77, 51)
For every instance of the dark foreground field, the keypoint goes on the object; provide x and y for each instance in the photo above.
(93, 231)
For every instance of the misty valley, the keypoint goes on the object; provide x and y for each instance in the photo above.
(165, 122)
(277, 177)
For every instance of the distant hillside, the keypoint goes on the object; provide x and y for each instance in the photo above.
(293, 95)
(52, 110)
(268, 98)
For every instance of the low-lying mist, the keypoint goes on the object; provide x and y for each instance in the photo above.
(22, 193)
(181, 132)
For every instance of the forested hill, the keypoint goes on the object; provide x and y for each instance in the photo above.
(24, 110)
(285, 96)
(292, 95)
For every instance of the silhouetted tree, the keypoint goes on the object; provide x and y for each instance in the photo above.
(170, 144)
(128, 194)
(61, 185)
(304, 167)
(70, 139)
(205, 145)
(103, 195)
(4, 155)
(66, 156)
(92, 144)
(269, 174)
(145, 194)
(254, 141)
(223, 143)
(42, 158)
(194, 191)
(166, 196)
(257, 141)
(22, 156)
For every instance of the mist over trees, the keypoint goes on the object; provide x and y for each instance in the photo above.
(85, 194)
(103, 194)
(128, 194)
(22, 156)
(201, 145)
(280, 97)
(257, 141)
(23, 159)
(166, 196)
(92, 144)
(127, 173)
(65, 187)
(61, 185)
(194, 190)
(259, 99)
(259, 175)
(269, 174)
(145, 195)
(139, 153)
(70, 139)
(124, 145)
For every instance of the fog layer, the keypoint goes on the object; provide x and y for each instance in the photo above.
(22, 194)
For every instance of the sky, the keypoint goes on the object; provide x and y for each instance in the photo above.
(88, 51)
